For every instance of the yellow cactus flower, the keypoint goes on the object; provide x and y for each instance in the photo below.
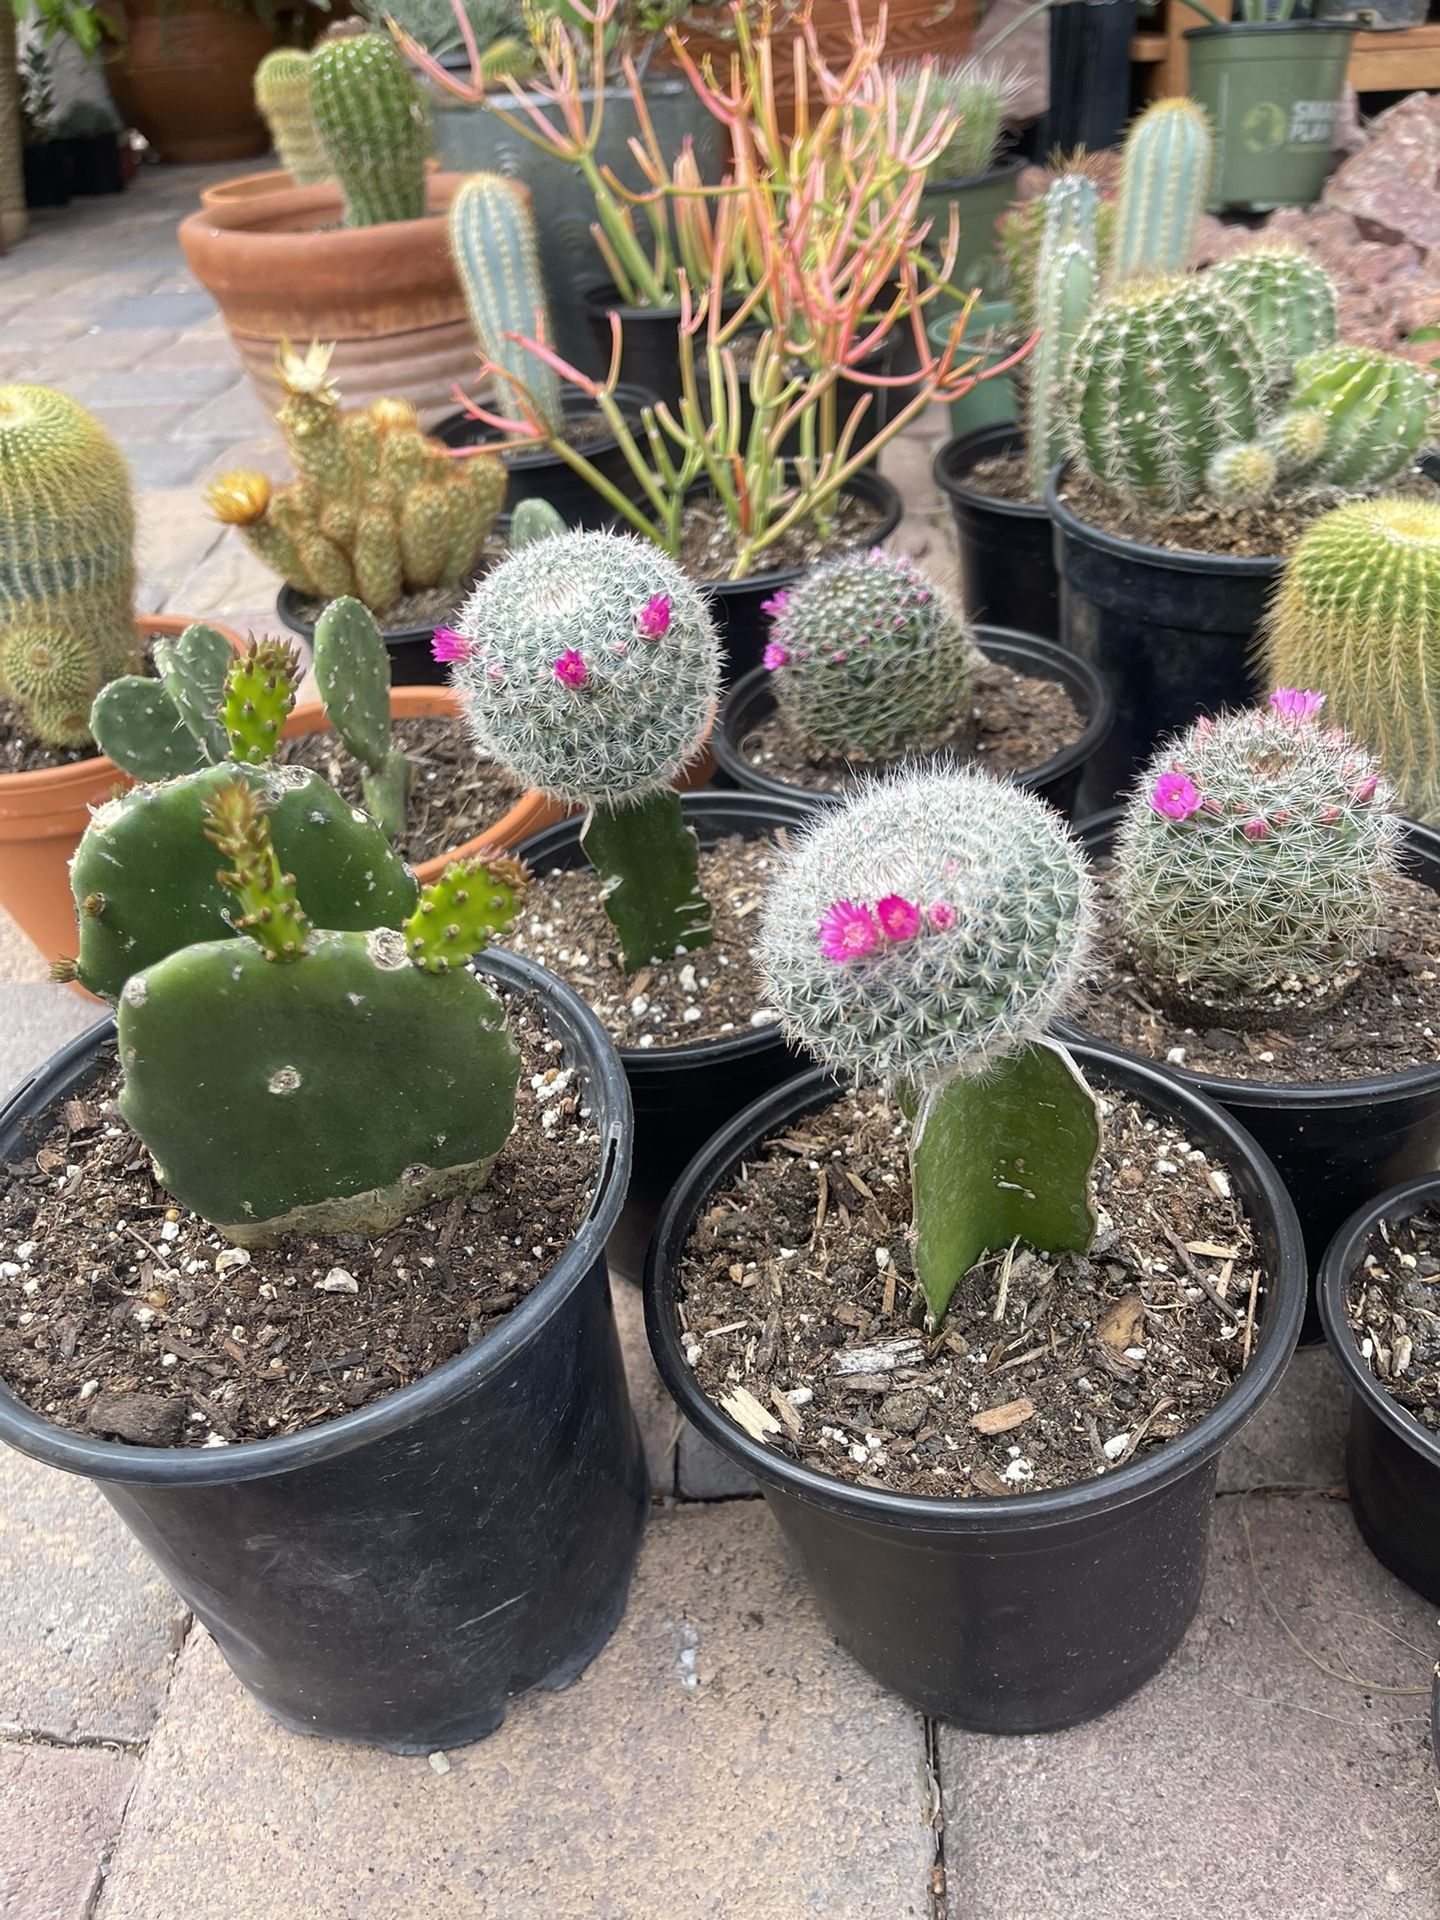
(239, 498)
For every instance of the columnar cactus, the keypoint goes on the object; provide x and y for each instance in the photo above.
(589, 666)
(1250, 863)
(282, 93)
(1288, 298)
(301, 1030)
(1065, 285)
(976, 94)
(1165, 375)
(1166, 164)
(1376, 410)
(1358, 613)
(378, 509)
(497, 256)
(924, 935)
(67, 570)
(868, 659)
(371, 122)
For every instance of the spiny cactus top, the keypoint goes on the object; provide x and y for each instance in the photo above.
(371, 120)
(282, 93)
(977, 94)
(1287, 296)
(868, 657)
(1250, 861)
(932, 926)
(1166, 163)
(588, 665)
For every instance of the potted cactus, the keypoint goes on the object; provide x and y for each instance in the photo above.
(282, 95)
(343, 1314)
(67, 625)
(836, 1283)
(869, 667)
(970, 175)
(1267, 932)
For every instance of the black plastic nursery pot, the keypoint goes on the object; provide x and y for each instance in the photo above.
(1056, 779)
(1172, 632)
(411, 656)
(396, 1576)
(1030, 1612)
(680, 1095)
(1335, 1143)
(538, 474)
(1007, 547)
(1391, 1463)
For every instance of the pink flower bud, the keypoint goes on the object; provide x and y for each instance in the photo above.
(654, 619)
(1176, 796)
(776, 604)
(447, 646)
(571, 670)
(847, 932)
(1365, 792)
(1327, 816)
(775, 656)
(941, 915)
(899, 918)
(1255, 829)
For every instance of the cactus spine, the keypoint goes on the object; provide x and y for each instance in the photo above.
(371, 122)
(497, 256)
(1065, 286)
(1166, 165)
(282, 93)
(1288, 298)
(1376, 408)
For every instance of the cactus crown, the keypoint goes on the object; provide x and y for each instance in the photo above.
(868, 658)
(282, 93)
(1288, 298)
(371, 123)
(1166, 163)
(496, 251)
(1250, 859)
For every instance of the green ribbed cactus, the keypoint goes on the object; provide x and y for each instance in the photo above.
(371, 121)
(1288, 298)
(1164, 376)
(247, 1060)
(1358, 613)
(868, 659)
(924, 935)
(497, 256)
(67, 569)
(1166, 163)
(282, 93)
(1250, 862)
(1377, 411)
(976, 94)
(1065, 286)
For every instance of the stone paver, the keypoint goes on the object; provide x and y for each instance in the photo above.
(1298, 1437)
(59, 1815)
(37, 1017)
(721, 1757)
(157, 310)
(1246, 1779)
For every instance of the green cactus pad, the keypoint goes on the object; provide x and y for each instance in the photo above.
(462, 911)
(138, 725)
(259, 698)
(353, 672)
(648, 862)
(194, 668)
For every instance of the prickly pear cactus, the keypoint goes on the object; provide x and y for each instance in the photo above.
(1378, 411)
(1288, 298)
(371, 122)
(353, 673)
(155, 729)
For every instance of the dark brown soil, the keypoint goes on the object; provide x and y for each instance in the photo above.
(455, 794)
(699, 996)
(1393, 1303)
(1014, 723)
(1004, 476)
(1389, 1019)
(125, 1316)
(796, 1287)
(707, 547)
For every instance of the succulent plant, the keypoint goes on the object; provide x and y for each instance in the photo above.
(1288, 298)
(589, 666)
(924, 935)
(1376, 409)
(977, 94)
(378, 509)
(67, 569)
(1250, 862)
(533, 519)
(1021, 229)
(868, 659)
(282, 93)
(1066, 280)
(371, 122)
(1166, 164)
(299, 1030)
(1357, 612)
(496, 251)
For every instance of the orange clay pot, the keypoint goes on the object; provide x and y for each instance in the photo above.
(42, 816)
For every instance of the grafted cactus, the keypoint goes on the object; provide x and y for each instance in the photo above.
(868, 659)
(1376, 409)
(496, 251)
(1166, 164)
(1288, 298)
(282, 93)
(1065, 286)
(371, 122)
(924, 935)
(1250, 862)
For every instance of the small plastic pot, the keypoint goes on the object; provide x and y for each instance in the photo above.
(1056, 779)
(396, 1576)
(1271, 89)
(989, 403)
(978, 203)
(538, 474)
(1392, 1464)
(1007, 547)
(680, 1095)
(1335, 1143)
(1171, 632)
(1031, 1612)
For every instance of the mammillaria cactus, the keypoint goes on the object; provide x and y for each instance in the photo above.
(496, 251)
(378, 509)
(282, 93)
(67, 569)
(1167, 160)
(1065, 283)
(868, 659)
(924, 935)
(589, 667)
(1250, 861)
(1288, 298)
(300, 1030)
(1358, 613)
(1376, 411)
(371, 122)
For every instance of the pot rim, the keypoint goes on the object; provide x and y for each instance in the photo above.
(958, 446)
(1234, 566)
(870, 484)
(1343, 1254)
(1014, 647)
(1329, 1096)
(632, 399)
(1018, 1513)
(452, 1380)
(227, 217)
(1233, 29)
(1009, 168)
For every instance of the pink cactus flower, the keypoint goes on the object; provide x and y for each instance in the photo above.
(941, 915)
(1176, 796)
(654, 620)
(899, 919)
(1365, 792)
(448, 646)
(1255, 829)
(1327, 816)
(775, 656)
(847, 932)
(571, 670)
(775, 605)
(1293, 703)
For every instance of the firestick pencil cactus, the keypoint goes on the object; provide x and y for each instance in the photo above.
(924, 935)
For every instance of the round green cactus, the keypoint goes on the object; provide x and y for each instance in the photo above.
(1377, 409)
(1288, 298)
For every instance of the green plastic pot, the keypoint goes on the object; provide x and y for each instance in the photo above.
(1272, 91)
(991, 400)
(979, 202)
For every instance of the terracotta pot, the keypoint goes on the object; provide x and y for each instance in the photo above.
(281, 263)
(42, 816)
(245, 186)
(184, 76)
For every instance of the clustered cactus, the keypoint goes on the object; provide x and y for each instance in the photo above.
(1166, 164)
(496, 251)
(923, 935)
(282, 93)
(1288, 298)
(1376, 411)
(868, 659)
(371, 122)
(1251, 861)
(378, 510)
(67, 569)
